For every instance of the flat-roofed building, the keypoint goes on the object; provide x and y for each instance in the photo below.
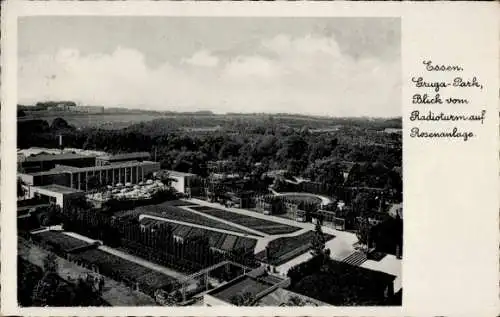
(47, 161)
(186, 183)
(56, 194)
(78, 177)
(122, 157)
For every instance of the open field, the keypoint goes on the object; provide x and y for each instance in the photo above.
(168, 211)
(284, 249)
(265, 226)
(101, 120)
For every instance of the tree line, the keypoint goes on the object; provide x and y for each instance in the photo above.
(319, 157)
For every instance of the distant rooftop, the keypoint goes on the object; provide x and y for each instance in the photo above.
(60, 189)
(73, 169)
(125, 156)
(179, 174)
(55, 157)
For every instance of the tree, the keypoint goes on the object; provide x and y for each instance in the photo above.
(49, 216)
(164, 177)
(50, 264)
(93, 183)
(295, 301)
(45, 290)
(59, 124)
(318, 241)
(245, 299)
(363, 231)
(20, 189)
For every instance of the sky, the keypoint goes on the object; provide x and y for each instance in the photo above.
(318, 66)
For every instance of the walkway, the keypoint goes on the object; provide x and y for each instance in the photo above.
(131, 257)
(115, 293)
(340, 247)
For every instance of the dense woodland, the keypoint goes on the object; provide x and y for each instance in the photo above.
(253, 144)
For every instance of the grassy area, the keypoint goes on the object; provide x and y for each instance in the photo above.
(168, 211)
(284, 249)
(101, 120)
(265, 226)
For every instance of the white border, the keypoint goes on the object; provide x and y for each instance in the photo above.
(466, 18)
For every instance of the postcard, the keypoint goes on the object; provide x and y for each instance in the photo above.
(250, 158)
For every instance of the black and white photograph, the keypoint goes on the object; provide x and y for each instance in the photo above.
(209, 161)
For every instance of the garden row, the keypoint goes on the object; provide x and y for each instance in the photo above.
(265, 226)
(132, 274)
(117, 268)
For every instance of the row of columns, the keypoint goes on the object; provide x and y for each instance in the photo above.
(112, 176)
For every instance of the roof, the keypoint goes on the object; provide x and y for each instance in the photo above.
(56, 157)
(125, 156)
(73, 169)
(59, 189)
(179, 174)
(239, 286)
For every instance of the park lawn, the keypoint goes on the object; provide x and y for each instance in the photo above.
(262, 225)
(168, 211)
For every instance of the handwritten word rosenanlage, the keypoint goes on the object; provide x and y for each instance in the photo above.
(441, 116)
(447, 134)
